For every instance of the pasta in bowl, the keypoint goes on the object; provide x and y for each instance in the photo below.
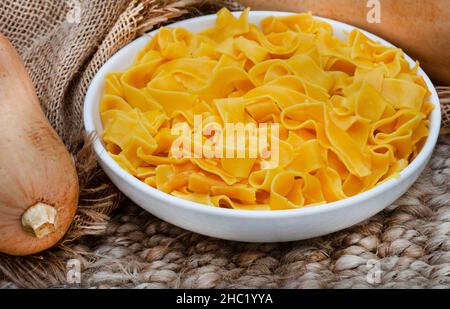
(327, 123)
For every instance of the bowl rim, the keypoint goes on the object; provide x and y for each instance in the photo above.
(420, 160)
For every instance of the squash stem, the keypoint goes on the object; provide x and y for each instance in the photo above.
(40, 220)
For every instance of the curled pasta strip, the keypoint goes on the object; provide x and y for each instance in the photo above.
(351, 113)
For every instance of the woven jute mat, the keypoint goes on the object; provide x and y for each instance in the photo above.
(405, 246)
(63, 44)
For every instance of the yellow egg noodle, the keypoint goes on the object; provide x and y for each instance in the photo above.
(352, 113)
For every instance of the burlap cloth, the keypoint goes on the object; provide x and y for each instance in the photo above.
(63, 44)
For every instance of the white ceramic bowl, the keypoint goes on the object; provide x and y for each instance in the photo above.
(241, 225)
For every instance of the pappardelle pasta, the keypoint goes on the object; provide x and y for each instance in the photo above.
(350, 114)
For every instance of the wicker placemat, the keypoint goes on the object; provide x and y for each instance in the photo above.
(405, 246)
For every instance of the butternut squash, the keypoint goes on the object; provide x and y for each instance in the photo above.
(420, 27)
(38, 180)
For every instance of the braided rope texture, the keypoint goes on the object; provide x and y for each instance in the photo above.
(405, 246)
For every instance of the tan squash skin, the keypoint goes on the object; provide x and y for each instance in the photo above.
(34, 164)
(420, 27)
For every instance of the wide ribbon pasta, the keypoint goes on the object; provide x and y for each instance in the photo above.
(352, 113)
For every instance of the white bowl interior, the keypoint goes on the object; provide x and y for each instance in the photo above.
(125, 57)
